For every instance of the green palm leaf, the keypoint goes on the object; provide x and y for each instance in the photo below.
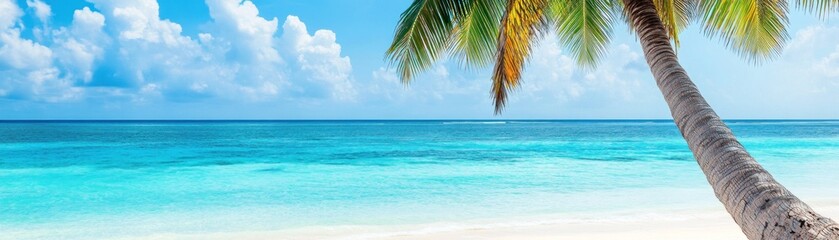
(584, 27)
(755, 29)
(522, 20)
(477, 32)
(819, 7)
(423, 34)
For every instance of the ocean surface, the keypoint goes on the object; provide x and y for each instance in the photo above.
(103, 179)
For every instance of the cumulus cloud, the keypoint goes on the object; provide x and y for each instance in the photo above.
(26, 66)
(11, 13)
(80, 47)
(42, 10)
(125, 50)
(23, 54)
(251, 35)
(150, 58)
(319, 56)
(140, 20)
(242, 41)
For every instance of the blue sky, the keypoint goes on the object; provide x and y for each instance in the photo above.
(233, 59)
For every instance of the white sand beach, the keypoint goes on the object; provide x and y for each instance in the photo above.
(706, 224)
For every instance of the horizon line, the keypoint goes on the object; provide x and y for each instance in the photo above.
(408, 119)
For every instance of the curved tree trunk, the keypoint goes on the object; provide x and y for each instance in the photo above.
(762, 207)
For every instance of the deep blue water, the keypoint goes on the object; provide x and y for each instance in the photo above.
(95, 179)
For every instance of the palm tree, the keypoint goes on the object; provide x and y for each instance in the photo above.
(479, 32)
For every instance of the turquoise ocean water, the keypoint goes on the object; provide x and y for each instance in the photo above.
(99, 179)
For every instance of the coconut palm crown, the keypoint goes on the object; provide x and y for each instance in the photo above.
(502, 32)
(480, 32)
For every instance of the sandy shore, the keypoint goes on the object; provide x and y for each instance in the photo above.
(708, 224)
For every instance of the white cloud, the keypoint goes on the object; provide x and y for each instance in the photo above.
(81, 47)
(251, 35)
(47, 86)
(436, 86)
(812, 59)
(123, 49)
(816, 46)
(140, 20)
(319, 55)
(549, 73)
(242, 42)
(553, 75)
(138, 49)
(88, 24)
(26, 66)
(829, 65)
(42, 10)
(22, 53)
(11, 13)
(385, 84)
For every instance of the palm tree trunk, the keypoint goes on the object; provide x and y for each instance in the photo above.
(762, 207)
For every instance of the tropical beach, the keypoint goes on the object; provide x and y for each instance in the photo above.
(385, 179)
(419, 119)
(703, 224)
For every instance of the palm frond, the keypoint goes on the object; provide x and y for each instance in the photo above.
(675, 15)
(520, 24)
(584, 27)
(477, 32)
(423, 34)
(756, 30)
(820, 7)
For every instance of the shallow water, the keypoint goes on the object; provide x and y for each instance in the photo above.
(82, 180)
